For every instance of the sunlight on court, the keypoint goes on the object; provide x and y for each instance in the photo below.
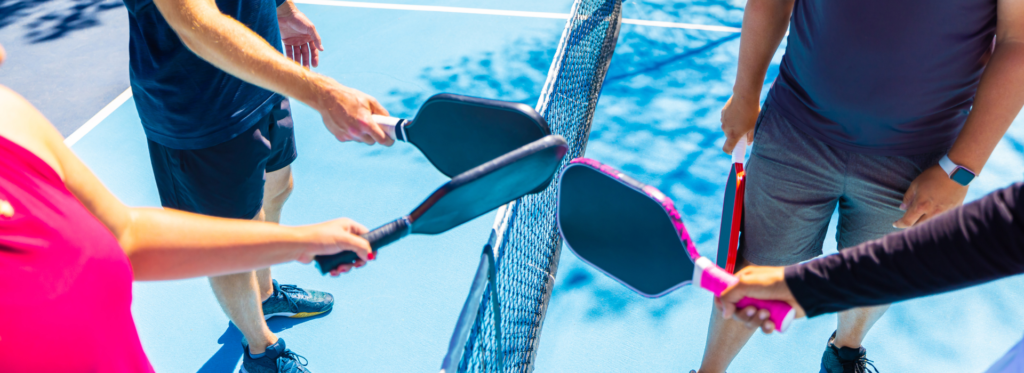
(657, 119)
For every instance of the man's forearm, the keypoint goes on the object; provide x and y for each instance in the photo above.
(764, 25)
(169, 244)
(231, 46)
(978, 242)
(998, 101)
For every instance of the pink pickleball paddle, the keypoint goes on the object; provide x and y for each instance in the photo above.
(632, 233)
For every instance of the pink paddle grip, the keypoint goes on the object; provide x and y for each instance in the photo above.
(716, 280)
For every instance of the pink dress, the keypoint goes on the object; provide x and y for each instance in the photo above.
(65, 283)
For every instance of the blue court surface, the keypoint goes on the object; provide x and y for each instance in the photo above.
(658, 120)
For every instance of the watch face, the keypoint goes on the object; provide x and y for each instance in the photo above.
(962, 176)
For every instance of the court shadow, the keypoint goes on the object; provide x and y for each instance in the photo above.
(45, 20)
(230, 353)
(657, 120)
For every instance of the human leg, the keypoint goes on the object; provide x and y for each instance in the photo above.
(853, 325)
(725, 338)
(224, 180)
(284, 300)
(275, 192)
(874, 189)
(793, 184)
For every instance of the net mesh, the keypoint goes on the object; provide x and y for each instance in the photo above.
(528, 243)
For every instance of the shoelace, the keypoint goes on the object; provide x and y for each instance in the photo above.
(291, 289)
(860, 365)
(299, 359)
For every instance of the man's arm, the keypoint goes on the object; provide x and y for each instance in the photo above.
(764, 25)
(231, 46)
(998, 101)
(975, 243)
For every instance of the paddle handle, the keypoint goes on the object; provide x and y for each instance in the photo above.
(378, 238)
(715, 279)
(739, 152)
(392, 126)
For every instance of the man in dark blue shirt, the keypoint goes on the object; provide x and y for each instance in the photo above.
(209, 82)
(886, 109)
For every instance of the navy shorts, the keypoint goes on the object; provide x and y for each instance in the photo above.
(795, 181)
(226, 179)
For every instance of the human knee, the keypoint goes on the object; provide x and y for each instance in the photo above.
(279, 188)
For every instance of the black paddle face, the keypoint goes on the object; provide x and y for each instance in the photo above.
(490, 185)
(473, 193)
(725, 232)
(612, 224)
(457, 133)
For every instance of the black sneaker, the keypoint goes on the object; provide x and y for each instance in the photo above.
(845, 359)
(276, 359)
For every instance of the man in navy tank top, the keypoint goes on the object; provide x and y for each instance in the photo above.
(884, 109)
(209, 80)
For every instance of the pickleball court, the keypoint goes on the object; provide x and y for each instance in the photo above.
(657, 119)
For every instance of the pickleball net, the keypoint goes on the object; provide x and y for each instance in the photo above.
(520, 261)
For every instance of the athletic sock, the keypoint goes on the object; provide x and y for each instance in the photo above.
(257, 356)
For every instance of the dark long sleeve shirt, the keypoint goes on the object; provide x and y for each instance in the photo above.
(972, 244)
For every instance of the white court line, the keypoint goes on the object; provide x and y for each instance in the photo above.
(99, 117)
(689, 26)
(511, 13)
(431, 8)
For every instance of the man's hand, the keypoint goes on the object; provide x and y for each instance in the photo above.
(931, 194)
(767, 283)
(738, 119)
(348, 114)
(333, 237)
(301, 41)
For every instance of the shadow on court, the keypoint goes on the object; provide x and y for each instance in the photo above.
(657, 119)
(45, 20)
(230, 353)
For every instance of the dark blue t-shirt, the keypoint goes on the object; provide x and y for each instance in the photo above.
(885, 77)
(185, 102)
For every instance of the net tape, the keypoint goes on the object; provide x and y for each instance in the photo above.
(527, 243)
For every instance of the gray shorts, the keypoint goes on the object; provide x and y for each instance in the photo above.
(794, 182)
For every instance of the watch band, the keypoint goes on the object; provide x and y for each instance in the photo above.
(957, 173)
(947, 165)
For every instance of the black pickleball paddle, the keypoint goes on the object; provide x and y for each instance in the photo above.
(457, 133)
(470, 194)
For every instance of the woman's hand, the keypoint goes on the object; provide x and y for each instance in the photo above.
(333, 237)
(767, 283)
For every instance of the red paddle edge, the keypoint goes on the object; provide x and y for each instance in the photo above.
(737, 217)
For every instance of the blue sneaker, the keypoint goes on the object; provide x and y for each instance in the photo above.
(276, 359)
(292, 301)
(845, 359)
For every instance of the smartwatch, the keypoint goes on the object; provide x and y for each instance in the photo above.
(957, 173)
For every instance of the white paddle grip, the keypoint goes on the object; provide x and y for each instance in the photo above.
(739, 153)
(387, 124)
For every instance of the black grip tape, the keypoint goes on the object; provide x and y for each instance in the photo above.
(380, 237)
(400, 131)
